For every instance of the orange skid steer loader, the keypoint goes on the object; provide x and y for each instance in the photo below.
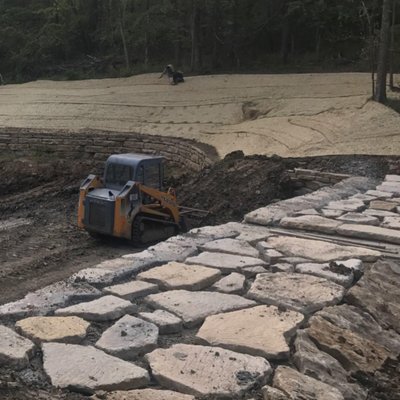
(128, 201)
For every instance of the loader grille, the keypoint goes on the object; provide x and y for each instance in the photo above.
(99, 215)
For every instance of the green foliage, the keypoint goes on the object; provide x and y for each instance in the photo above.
(86, 38)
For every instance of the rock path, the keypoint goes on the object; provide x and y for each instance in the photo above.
(203, 314)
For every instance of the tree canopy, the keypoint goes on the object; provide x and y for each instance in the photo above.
(85, 38)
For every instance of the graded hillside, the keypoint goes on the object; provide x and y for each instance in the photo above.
(288, 115)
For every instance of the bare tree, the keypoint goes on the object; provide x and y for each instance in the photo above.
(380, 89)
(392, 47)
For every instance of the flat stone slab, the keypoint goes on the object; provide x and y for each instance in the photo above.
(341, 276)
(207, 371)
(311, 361)
(330, 213)
(251, 272)
(230, 246)
(225, 262)
(231, 284)
(53, 329)
(181, 276)
(379, 194)
(310, 223)
(228, 230)
(129, 338)
(355, 218)
(268, 337)
(355, 352)
(346, 205)
(383, 205)
(318, 250)
(167, 323)
(391, 222)
(104, 309)
(172, 251)
(270, 255)
(94, 276)
(391, 187)
(147, 394)
(370, 232)
(85, 368)
(45, 300)
(303, 293)
(392, 178)
(282, 267)
(379, 213)
(308, 211)
(15, 350)
(302, 387)
(194, 307)
(132, 290)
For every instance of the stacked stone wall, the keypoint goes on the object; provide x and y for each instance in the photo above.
(98, 145)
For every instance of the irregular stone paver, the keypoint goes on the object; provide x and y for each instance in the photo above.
(217, 232)
(104, 309)
(282, 267)
(181, 276)
(230, 246)
(294, 260)
(328, 272)
(313, 362)
(363, 197)
(232, 283)
(379, 194)
(270, 393)
(346, 205)
(44, 300)
(311, 223)
(94, 276)
(378, 293)
(391, 187)
(54, 329)
(147, 394)
(392, 178)
(128, 338)
(85, 368)
(370, 232)
(271, 256)
(379, 213)
(309, 211)
(132, 290)
(383, 205)
(251, 272)
(391, 222)
(15, 350)
(172, 251)
(259, 331)
(207, 371)
(317, 250)
(354, 218)
(329, 213)
(303, 293)
(252, 233)
(193, 307)
(301, 387)
(225, 262)
(167, 323)
(356, 353)
(353, 264)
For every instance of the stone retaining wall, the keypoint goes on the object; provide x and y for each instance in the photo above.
(98, 145)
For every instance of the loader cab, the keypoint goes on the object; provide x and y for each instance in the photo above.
(145, 169)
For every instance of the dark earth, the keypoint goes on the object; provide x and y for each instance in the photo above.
(41, 196)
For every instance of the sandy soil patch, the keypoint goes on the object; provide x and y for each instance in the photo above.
(288, 115)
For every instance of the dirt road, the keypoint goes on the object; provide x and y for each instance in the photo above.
(288, 115)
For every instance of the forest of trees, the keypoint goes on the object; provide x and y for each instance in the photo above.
(71, 39)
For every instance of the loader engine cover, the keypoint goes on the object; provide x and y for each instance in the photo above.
(99, 211)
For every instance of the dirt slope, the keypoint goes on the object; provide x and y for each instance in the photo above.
(288, 115)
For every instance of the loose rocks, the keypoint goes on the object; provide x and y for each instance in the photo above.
(193, 307)
(54, 329)
(270, 330)
(303, 293)
(181, 276)
(207, 371)
(15, 350)
(129, 337)
(87, 369)
(104, 309)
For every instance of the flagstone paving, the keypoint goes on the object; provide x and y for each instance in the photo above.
(203, 313)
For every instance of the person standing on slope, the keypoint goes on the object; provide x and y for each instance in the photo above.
(174, 77)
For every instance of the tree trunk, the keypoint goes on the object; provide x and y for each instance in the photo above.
(146, 37)
(194, 36)
(380, 90)
(392, 48)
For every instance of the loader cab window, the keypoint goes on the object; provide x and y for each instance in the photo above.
(140, 175)
(152, 176)
(118, 174)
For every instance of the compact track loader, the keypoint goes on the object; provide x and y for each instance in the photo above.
(128, 201)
